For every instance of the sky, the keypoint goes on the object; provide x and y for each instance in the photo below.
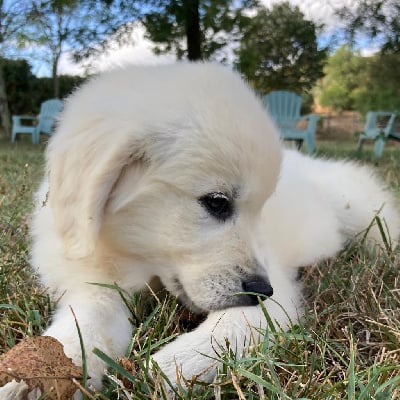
(320, 11)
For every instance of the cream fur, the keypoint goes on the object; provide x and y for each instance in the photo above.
(134, 151)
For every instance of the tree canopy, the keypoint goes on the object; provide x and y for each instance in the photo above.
(52, 24)
(378, 19)
(354, 82)
(279, 50)
(196, 29)
(12, 19)
(274, 48)
(343, 78)
(26, 92)
(192, 29)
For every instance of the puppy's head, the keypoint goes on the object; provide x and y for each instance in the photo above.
(167, 167)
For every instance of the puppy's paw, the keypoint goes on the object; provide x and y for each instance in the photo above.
(179, 363)
(16, 391)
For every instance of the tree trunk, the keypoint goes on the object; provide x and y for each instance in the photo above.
(193, 36)
(4, 110)
(56, 79)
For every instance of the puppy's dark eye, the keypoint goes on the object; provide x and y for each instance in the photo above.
(219, 205)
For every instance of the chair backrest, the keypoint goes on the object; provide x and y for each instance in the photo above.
(379, 122)
(48, 113)
(283, 105)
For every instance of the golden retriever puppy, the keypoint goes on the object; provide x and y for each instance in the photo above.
(178, 172)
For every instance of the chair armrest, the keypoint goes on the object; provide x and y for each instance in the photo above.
(312, 121)
(310, 117)
(24, 116)
(19, 118)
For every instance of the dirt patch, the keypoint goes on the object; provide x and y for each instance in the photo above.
(340, 126)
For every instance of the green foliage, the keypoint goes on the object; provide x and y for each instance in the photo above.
(19, 81)
(344, 73)
(51, 26)
(12, 20)
(378, 19)
(169, 23)
(26, 92)
(381, 89)
(279, 50)
(43, 88)
(354, 82)
(193, 29)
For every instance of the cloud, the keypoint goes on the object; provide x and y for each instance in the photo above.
(138, 52)
(319, 11)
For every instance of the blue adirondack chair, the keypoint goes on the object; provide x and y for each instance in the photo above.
(284, 108)
(43, 123)
(379, 126)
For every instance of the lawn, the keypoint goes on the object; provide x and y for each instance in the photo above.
(346, 347)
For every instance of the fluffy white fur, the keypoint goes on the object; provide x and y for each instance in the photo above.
(135, 150)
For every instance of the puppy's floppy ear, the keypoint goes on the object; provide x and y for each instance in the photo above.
(83, 168)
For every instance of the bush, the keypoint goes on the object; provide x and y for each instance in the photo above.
(19, 80)
(25, 92)
(44, 88)
(381, 90)
(354, 82)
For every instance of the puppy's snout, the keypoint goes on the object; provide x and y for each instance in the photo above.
(258, 285)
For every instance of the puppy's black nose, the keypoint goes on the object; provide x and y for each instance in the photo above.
(258, 286)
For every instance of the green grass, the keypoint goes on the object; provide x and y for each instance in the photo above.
(346, 347)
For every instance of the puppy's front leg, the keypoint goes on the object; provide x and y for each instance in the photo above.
(195, 353)
(103, 321)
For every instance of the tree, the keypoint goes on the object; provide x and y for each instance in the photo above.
(193, 29)
(345, 72)
(12, 19)
(378, 19)
(19, 85)
(53, 24)
(26, 92)
(354, 82)
(196, 29)
(279, 50)
(380, 89)
(170, 22)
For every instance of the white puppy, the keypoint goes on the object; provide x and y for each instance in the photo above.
(178, 172)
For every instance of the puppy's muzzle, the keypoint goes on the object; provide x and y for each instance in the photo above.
(256, 286)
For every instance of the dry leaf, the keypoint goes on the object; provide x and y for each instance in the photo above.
(41, 363)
